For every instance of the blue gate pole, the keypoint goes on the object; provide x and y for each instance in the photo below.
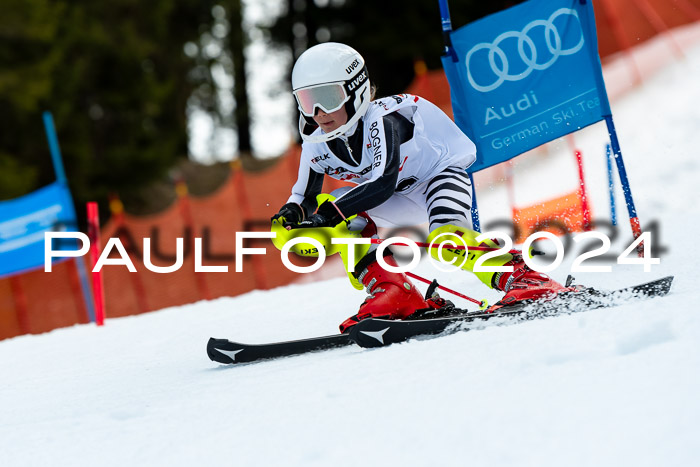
(476, 223)
(611, 184)
(61, 177)
(446, 21)
(53, 147)
(634, 220)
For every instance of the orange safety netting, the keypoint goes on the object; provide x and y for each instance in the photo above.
(559, 216)
(243, 204)
(39, 301)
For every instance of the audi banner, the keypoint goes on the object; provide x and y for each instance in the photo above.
(525, 76)
(23, 222)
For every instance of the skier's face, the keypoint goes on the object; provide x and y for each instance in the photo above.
(331, 121)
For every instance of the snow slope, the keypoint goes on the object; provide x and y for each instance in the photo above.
(612, 387)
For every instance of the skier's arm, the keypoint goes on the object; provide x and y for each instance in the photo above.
(302, 202)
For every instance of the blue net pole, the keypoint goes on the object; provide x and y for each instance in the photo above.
(54, 148)
(61, 177)
(446, 21)
(611, 184)
(634, 220)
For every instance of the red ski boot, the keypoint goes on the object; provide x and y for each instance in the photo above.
(524, 284)
(391, 294)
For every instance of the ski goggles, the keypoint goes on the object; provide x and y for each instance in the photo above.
(327, 97)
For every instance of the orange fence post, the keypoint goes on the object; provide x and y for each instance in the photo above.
(658, 23)
(74, 280)
(420, 69)
(621, 39)
(186, 213)
(689, 9)
(20, 304)
(117, 209)
(239, 185)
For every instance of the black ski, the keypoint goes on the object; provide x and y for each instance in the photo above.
(380, 332)
(226, 351)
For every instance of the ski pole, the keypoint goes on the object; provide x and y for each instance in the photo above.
(482, 304)
(377, 241)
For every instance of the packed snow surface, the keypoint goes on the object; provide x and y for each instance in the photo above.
(611, 387)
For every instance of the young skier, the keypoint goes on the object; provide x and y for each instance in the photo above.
(409, 162)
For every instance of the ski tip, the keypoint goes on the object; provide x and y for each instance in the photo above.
(658, 287)
(211, 348)
(217, 351)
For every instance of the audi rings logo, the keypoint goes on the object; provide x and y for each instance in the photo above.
(527, 50)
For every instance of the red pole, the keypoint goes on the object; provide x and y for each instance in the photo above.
(93, 219)
(510, 186)
(377, 241)
(481, 303)
(582, 192)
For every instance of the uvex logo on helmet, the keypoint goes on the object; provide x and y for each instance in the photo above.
(355, 63)
(359, 79)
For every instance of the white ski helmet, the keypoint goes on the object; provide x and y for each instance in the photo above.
(329, 76)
